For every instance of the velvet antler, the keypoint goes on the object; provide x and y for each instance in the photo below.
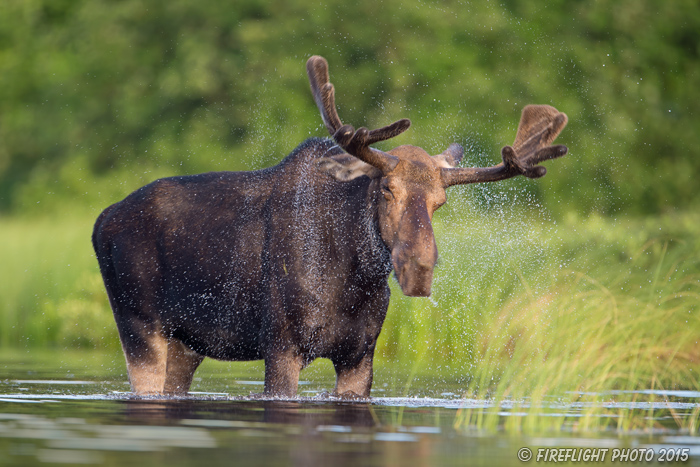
(353, 142)
(539, 127)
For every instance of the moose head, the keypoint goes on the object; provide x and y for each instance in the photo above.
(413, 183)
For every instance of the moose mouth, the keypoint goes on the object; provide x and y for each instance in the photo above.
(415, 278)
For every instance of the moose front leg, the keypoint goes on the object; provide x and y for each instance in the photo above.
(354, 381)
(282, 370)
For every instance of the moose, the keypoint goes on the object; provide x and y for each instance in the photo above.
(288, 263)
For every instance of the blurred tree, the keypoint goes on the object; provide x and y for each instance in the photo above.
(98, 97)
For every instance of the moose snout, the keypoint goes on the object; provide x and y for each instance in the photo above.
(415, 274)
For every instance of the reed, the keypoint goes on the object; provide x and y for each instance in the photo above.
(591, 311)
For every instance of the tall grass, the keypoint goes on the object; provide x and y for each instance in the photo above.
(524, 310)
(567, 313)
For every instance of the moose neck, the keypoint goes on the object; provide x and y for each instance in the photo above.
(373, 254)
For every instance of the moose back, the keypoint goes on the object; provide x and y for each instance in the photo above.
(290, 263)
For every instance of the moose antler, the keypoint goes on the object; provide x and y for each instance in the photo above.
(351, 141)
(539, 127)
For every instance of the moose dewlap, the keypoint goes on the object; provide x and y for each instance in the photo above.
(290, 263)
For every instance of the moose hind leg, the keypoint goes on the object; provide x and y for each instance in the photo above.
(181, 365)
(146, 359)
(354, 381)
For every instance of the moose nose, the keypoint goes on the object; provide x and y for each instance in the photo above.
(422, 264)
(416, 278)
(415, 254)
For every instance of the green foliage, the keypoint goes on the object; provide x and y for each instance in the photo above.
(51, 289)
(99, 96)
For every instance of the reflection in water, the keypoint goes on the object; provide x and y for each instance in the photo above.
(305, 433)
(250, 413)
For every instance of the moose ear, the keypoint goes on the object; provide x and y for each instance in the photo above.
(450, 157)
(345, 167)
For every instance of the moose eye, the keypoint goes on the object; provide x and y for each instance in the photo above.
(388, 195)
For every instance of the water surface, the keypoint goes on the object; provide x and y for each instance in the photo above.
(74, 408)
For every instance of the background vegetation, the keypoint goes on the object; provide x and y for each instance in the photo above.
(587, 279)
(99, 96)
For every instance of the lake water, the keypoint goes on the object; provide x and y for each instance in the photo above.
(73, 408)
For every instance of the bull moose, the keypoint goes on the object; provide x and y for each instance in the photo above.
(289, 263)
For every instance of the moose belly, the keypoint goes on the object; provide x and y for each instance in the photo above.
(222, 343)
(225, 325)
